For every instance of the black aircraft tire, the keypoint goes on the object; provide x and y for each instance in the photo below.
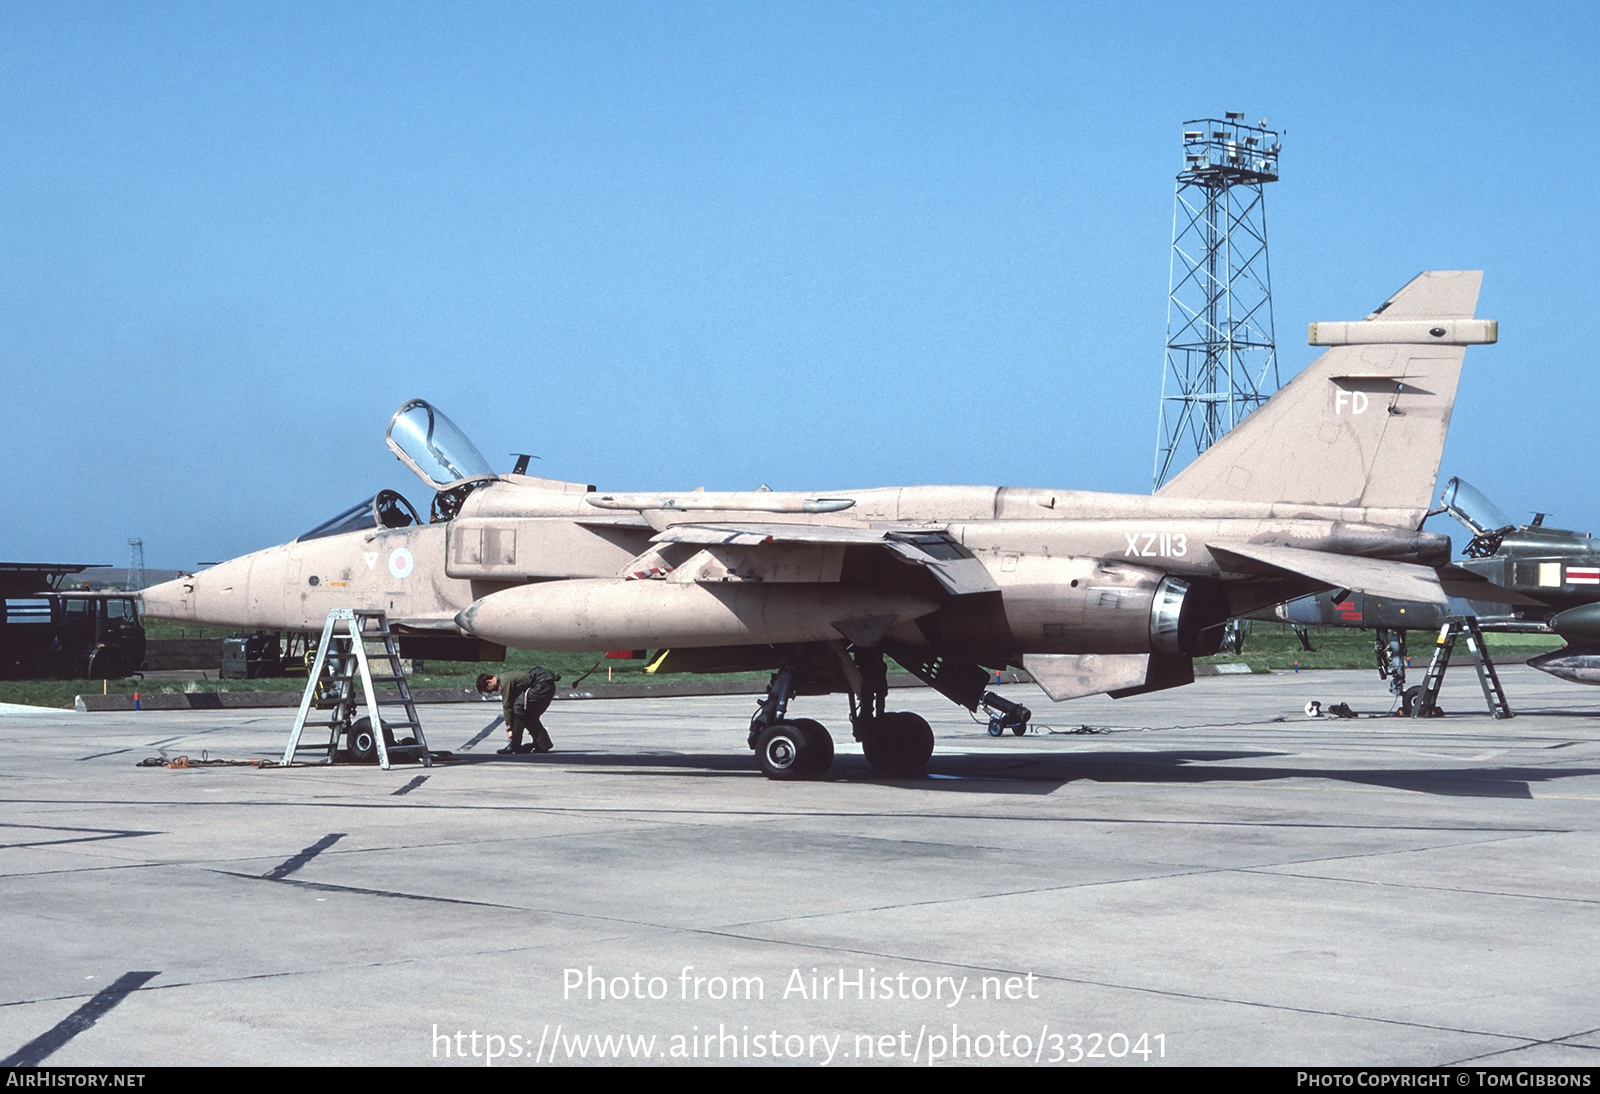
(880, 744)
(821, 742)
(880, 747)
(360, 742)
(1410, 699)
(784, 752)
(898, 742)
(916, 741)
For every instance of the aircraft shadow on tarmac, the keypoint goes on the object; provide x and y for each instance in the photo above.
(1033, 774)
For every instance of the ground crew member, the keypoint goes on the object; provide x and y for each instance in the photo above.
(523, 699)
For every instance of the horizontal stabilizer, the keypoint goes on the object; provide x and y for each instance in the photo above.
(1374, 576)
(1470, 586)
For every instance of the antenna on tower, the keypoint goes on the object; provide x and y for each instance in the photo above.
(135, 580)
(1222, 358)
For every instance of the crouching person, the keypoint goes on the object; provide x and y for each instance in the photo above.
(523, 699)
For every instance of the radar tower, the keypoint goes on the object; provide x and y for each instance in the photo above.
(135, 580)
(1221, 357)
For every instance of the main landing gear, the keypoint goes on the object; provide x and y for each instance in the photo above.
(1391, 650)
(896, 742)
(789, 748)
(799, 748)
(893, 741)
(794, 749)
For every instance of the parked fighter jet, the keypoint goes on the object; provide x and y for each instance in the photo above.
(1548, 581)
(1323, 487)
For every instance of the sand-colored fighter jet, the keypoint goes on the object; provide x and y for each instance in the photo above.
(1324, 487)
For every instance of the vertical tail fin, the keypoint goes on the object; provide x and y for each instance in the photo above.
(1364, 425)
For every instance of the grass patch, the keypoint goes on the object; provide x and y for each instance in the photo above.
(436, 674)
(1270, 646)
(1267, 647)
(164, 629)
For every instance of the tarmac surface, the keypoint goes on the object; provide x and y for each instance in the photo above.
(1210, 877)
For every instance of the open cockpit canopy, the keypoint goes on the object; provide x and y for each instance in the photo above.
(430, 444)
(386, 509)
(1462, 501)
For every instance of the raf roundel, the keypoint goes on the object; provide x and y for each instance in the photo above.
(400, 562)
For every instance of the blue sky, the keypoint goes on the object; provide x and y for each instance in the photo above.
(666, 246)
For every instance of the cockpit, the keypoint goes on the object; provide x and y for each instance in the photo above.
(1468, 505)
(1480, 515)
(441, 456)
(385, 509)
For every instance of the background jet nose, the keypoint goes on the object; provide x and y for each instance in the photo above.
(170, 599)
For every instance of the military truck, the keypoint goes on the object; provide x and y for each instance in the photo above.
(55, 633)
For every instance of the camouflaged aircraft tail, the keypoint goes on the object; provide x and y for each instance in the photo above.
(1363, 425)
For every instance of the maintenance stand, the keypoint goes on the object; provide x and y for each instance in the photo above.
(342, 657)
(1423, 702)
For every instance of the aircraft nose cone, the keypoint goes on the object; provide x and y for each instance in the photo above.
(170, 599)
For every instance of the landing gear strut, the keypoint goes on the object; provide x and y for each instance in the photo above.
(788, 748)
(1391, 652)
(895, 741)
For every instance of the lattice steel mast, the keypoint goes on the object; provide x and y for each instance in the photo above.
(1221, 359)
(135, 575)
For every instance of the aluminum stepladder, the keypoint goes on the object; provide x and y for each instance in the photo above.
(342, 659)
(1426, 703)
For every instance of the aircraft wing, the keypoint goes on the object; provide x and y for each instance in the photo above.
(620, 520)
(755, 534)
(954, 567)
(1473, 586)
(1377, 576)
